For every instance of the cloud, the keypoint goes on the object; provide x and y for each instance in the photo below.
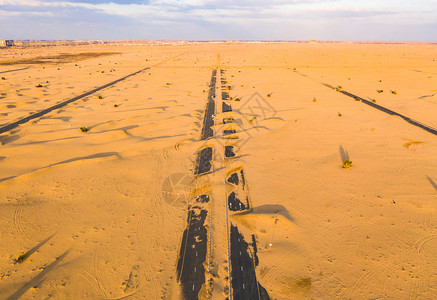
(225, 19)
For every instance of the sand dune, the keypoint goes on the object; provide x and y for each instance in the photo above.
(100, 213)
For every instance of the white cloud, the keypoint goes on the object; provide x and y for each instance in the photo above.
(250, 16)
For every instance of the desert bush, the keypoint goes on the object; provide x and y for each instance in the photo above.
(380, 91)
(347, 164)
(39, 85)
(100, 97)
(84, 129)
(304, 282)
(22, 257)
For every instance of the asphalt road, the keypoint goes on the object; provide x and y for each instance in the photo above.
(208, 120)
(192, 254)
(243, 277)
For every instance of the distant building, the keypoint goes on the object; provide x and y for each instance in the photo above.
(6, 43)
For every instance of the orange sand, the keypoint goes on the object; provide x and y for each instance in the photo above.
(361, 233)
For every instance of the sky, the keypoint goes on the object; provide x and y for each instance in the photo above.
(345, 20)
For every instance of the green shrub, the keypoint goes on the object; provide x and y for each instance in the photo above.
(269, 95)
(347, 164)
(314, 99)
(394, 92)
(39, 85)
(115, 105)
(3, 78)
(100, 97)
(22, 257)
(84, 129)
(380, 91)
(339, 114)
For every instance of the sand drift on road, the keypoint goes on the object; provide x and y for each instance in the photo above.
(217, 170)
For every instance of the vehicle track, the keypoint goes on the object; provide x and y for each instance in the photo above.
(43, 112)
(13, 70)
(377, 106)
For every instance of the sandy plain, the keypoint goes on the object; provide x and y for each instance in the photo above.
(89, 206)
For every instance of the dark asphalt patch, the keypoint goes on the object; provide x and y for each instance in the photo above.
(228, 120)
(229, 151)
(235, 204)
(226, 107)
(233, 179)
(202, 199)
(229, 131)
(208, 121)
(244, 283)
(192, 254)
(225, 95)
(203, 161)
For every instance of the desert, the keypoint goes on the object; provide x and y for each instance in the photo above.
(219, 170)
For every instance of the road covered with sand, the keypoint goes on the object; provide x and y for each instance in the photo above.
(95, 196)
